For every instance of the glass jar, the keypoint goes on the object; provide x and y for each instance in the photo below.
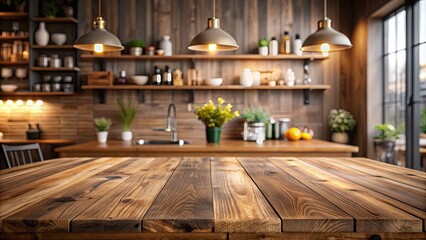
(6, 51)
(284, 125)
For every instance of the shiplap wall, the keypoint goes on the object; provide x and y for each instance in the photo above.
(148, 20)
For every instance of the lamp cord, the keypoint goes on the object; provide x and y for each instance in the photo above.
(325, 9)
(99, 8)
(214, 7)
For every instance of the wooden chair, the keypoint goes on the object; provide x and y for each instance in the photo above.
(21, 154)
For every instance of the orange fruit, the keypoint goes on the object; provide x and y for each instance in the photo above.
(306, 136)
(293, 134)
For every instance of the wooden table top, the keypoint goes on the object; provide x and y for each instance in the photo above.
(41, 141)
(211, 198)
(115, 148)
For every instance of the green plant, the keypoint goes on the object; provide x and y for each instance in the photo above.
(255, 115)
(423, 120)
(126, 115)
(102, 124)
(215, 115)
(49, 8)
(263, 42)
(340, 120)
(386, 132)
(134, 43)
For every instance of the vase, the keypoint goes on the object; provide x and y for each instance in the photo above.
(340, 137)
(102, 136)
(246, 78)
(41, 36)
(127, 136)
(166, 45)
(213, 134)
(384, 151)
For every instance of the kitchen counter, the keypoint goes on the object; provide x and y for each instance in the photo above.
(226, 148)
(212, 198)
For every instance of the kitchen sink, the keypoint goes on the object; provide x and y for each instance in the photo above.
(161, 142)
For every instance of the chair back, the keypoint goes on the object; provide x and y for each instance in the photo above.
(21, 154)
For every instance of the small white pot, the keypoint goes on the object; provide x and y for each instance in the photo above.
(340, 137)
(127, 136)
(263, 51)
(102, 136)
(136, 51)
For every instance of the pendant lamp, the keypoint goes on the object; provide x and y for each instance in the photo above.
(213, 38)
(99, 40)
(326, 39)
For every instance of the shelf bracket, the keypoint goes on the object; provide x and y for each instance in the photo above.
(101, 96)
(306, 96)
(141, 96)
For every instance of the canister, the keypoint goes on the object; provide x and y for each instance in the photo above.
(69, 61)
(284, 125)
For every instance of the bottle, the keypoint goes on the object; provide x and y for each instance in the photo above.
(122, 78)
(167, 76)
(166, 45)
(273, 47)
(297, 44)
(285, 45)
(156, 77)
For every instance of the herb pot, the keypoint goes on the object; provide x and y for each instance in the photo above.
(340, 137)
(102, 136)
(213, 134)
(127, 136)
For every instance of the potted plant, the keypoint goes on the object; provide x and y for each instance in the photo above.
(214, 116)
(126, 116)
(20, 5)
(135, 47)
(102, 126)
(384, 143)
(263, 46)
(254, 125)
(340, 122)
(49, 8)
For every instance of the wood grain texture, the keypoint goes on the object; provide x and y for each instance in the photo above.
(371, 213)
(239, 206)
(122, 209)
(300, 208)
(185, 203)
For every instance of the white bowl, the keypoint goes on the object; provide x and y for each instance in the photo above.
(59, 38)
(21, 73)
(6, 73)
(214, 81)
(140, 79)
(9, 87)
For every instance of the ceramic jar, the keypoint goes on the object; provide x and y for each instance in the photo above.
(166, 45)
(246, 78)
(41, 36)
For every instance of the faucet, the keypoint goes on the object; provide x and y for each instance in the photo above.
(171, 122)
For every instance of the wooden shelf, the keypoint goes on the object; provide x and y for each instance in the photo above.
(12, 38)
(9, 63)
(226, 87)
(37, 93)
(52, 47)
(204, 57)
(55, 19)
(50, 69)
(13, 15)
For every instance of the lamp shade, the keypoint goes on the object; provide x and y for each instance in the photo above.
(325, 34)
(98, 36)
(213, 35)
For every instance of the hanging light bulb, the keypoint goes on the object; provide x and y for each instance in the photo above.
(30, 102)
(326, 38)
(99, 40)
(213, 38)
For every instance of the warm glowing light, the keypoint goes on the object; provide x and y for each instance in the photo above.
(1, 102)
(325, 47)
(9, 102)
(212, 47)
(39, 102)
(99, 48)
(30, 102)
(20, 102)
(325, 54)
(25, 55)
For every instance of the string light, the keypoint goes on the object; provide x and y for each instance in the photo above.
(1, 102)
(20, 102)
(9, 102)
(30, 102)
(39, 102)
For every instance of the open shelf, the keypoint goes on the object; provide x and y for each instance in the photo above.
(9, 63)
(52, 47)
(37, 93)
(12, 38)
(13, 15)
(225, 87)
(51, 69)
(204, 57)
(55, 19)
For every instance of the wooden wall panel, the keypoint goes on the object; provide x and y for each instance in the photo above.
(148, 20)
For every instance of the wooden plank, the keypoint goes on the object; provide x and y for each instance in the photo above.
(21, 197)
(54, 213)
(371, 214)
(300, 209)
(239, 206)
(122, 209)
(185, 203)
(324, 236)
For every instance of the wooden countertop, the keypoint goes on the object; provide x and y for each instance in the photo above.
(211, 198)
(41, 141)
(227, 148)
